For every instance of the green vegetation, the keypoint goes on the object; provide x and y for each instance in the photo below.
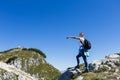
(105, 72)
(32, 61)
(90, 76)
(99, 76)
(8, 50)
(109, 65)
(117, 63)
(37, 51)
(29, 49)
(118, 54)
(104, 68)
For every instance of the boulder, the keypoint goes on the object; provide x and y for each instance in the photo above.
(69, 74)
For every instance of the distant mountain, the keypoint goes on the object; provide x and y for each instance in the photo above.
(26, 64)
(104, 69)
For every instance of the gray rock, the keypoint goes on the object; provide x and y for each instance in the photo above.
(109, 60)
(113, 56)
(67, 75)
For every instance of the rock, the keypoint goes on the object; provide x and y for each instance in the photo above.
(11, 71)
(70, 73)
(113, 56)
(107, 61)
(118, 78)
(116, 70)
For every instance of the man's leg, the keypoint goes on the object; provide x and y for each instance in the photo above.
(86, 63)
(78, 61)
(77, 57)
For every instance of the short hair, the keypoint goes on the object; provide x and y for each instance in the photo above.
(82, 33)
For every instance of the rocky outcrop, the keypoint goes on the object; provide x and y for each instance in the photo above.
(104, 69)
(110, 61)
(11, 71)
(70, 73)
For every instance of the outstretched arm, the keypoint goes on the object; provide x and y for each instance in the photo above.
(73, 37)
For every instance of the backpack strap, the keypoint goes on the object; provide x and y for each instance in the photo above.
(82, 42)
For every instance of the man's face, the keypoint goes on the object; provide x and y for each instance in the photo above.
(81, 35)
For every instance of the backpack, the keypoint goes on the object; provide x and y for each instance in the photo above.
(87, 44)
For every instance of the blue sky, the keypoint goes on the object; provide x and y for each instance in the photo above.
(44, 24)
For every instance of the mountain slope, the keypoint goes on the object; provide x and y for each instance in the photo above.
(104, 69)
(29, 60)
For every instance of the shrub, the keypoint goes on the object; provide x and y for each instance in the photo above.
(24, 49)
(96, 71)
(109, 65)
(117, 63)
(118, 54)
(104, 68)
(38, 51)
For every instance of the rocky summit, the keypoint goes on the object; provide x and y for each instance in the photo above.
(107, 68)
(26, 64)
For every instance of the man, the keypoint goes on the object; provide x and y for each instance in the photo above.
(81, 50)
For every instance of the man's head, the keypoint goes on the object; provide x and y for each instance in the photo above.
(81, 34)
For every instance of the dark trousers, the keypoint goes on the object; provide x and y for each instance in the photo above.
(81, 54)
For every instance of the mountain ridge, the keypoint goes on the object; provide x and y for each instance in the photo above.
(30, 64)
(29, 60)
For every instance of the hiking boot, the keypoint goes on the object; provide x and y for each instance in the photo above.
(77, 67)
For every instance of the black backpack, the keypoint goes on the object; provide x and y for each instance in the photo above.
(87, 44)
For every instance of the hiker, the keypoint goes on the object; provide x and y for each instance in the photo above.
(82, 50)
